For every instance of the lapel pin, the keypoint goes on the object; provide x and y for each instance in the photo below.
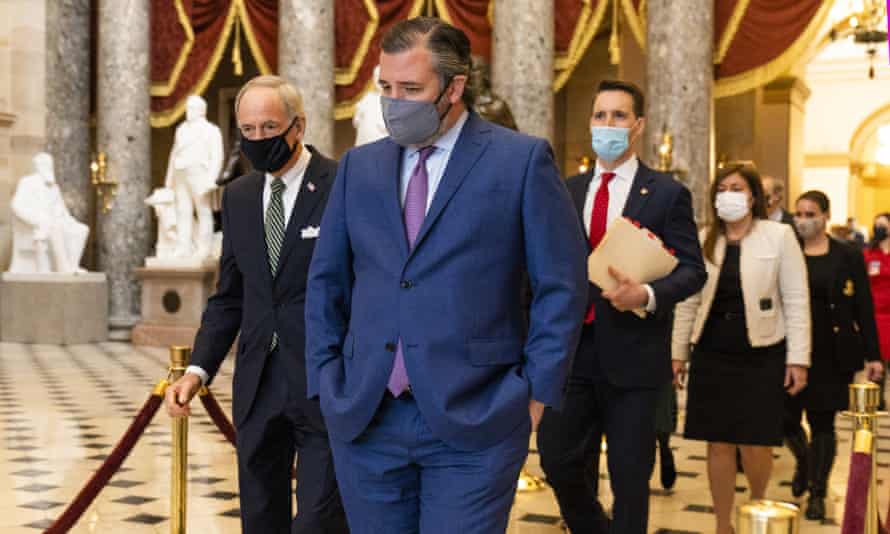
(644, 191)
(311, 187)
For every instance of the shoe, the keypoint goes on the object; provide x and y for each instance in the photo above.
(666, 461)
(797, 444)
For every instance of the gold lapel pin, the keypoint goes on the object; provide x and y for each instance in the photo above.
(849, 290)
(644, 191)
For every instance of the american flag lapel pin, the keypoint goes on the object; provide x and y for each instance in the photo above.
(311, 187)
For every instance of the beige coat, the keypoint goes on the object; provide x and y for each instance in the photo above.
(772, 267)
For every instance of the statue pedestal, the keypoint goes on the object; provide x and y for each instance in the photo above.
(173, 299)
(60, 309)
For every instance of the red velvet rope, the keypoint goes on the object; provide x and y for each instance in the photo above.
(108, 468)
(857, 494)
(218, 416)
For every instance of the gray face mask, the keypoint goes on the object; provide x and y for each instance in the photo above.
(411, 122)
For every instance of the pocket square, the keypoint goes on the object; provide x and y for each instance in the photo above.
(310, 232)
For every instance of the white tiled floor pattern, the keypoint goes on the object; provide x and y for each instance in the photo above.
(63, 408)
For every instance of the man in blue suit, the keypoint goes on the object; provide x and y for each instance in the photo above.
(430, 380)
(622, 360)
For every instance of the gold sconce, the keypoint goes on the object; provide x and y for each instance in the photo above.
(106, 188)
(665, 151)
(584, 164)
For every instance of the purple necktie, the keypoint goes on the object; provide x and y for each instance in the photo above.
(414, 213)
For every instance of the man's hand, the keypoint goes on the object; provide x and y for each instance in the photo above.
(629, 295)
(874, 371)
(180, 393)
(679, 368)
(535, 411)
(795, 379)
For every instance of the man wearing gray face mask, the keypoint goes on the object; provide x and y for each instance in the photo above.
(429, 376)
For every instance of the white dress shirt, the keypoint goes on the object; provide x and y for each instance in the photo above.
(619, 191)
(293, 181)
(435, 162)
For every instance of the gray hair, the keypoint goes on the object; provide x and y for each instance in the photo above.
(448, 45)
(290, 95)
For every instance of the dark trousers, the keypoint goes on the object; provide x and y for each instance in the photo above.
(398, 478)
(282, 423)
(568, 441)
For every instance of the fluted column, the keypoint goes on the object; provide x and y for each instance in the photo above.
(124, 134)
(306, 59)
(522, 69)
(680, 74)
(68, 101)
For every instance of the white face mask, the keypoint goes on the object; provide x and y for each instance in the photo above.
(809, 228)
(732, 206)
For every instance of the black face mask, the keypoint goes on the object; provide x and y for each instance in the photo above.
(271, 153)
(879, 233)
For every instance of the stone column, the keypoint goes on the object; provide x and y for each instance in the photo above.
(522, 70)
(780, 130)
(680, 75)
(306, 59)
(124, 134)
(68, 101)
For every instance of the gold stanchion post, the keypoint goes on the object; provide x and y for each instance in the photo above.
(768, 517)
(179, 358)
(864, 401)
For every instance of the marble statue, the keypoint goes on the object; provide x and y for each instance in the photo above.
(46, 238)
(368, 118)
(488, 105)
(195, 163)
(163, 201)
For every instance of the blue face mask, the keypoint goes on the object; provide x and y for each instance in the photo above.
(609, 143)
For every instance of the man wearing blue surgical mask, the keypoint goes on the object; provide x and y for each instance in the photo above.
(429, 376)
(623, 361)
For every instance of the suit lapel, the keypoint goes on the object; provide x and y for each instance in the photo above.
(466, 152)
(307, 200)
(257, 226)
(389, 163)
(579, 195)
(642, 188)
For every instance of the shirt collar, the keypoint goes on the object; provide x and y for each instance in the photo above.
(625, 171)
(447, 141)
(295, 173)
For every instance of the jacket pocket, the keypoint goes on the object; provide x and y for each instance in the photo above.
(494, 351)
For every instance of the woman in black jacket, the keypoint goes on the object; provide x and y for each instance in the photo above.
(844, 336)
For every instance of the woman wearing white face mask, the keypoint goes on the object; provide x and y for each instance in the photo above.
(747, 334)
(844, 336)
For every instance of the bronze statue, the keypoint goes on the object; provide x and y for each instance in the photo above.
(488, 105)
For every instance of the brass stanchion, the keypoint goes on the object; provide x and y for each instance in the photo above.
(768, 517)
(864, 401)
(179, 358)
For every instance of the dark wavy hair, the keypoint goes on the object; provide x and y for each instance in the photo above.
(817, 197)
(717, 227)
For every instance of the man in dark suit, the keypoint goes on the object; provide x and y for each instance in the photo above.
(775, 200)
(270, 225)
(429, 377)
(622, 360)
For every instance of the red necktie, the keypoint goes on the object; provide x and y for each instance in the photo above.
(598, 223)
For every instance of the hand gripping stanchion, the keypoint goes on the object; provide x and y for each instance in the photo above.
(179, 358)
(861, 514)
(768, 517)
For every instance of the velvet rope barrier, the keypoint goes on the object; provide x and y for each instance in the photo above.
(214, 410)
(108, 468)
(855, 505)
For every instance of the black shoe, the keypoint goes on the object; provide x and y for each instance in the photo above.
(815, 508)
(666, 461)
(797, 444)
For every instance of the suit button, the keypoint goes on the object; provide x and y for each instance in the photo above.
(390, 347)
(406, 284)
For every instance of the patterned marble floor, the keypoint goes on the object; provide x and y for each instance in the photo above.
(62, 409)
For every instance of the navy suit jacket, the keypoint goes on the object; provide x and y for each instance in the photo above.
(454, 300)
(634, 352)
(248, 299)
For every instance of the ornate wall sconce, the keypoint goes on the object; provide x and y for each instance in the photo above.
(665, 151)
(106, 188)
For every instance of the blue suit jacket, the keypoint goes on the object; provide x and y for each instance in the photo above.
(500, 211)
(632, 352)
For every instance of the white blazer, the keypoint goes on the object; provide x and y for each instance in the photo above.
(775, 289)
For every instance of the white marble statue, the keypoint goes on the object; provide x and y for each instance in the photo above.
(163, 201)
(45, 237)
(368, 118)
(195, 163)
